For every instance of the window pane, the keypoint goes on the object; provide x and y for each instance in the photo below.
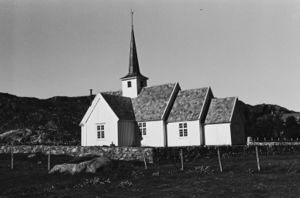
(180, 133)
(140, 124)
(144, 124)
(180, 125)
(102, 127)
(144, 131)
(185, 125)
(185, 132)
(98, 134)
(102, 135)
(98, 127)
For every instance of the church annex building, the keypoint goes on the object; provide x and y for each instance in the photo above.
(160, 116)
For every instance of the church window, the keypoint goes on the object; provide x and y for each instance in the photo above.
(183, 131)
(142, 127)
(129, 84)
(100, 131)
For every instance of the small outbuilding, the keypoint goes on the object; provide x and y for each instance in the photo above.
(224, 124)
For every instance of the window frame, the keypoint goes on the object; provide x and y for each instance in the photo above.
(182, 130)
(100, 131)
(143, 128)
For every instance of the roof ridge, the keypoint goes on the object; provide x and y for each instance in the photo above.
(195, 89)
(102, 93)
(225, 97)
(159, 85)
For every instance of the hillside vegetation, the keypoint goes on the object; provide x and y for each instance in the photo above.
(25, 120)
(31, 120)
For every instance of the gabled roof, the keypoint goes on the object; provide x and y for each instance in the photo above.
(220, 110)
(188, 105)
(90, 109)
(122, 106)
(152, 102)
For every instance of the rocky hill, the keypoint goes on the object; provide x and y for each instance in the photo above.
(25, 120)
(31, 120)
(271, 121)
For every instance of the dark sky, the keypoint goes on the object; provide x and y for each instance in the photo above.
(249, 49)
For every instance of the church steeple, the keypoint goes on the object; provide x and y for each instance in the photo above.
(134, 68)
(134, 81)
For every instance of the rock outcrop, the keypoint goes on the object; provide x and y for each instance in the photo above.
(90, 166)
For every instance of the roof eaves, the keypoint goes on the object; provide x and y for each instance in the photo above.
(149, 120)
(217, 123)
(90, 110)
(174, 121)
(169, 101)
(232, 111)
(132, 76)
(204, 102)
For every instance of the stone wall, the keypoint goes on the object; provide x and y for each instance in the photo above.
(114, 153)
(157, 155)
(171, 154)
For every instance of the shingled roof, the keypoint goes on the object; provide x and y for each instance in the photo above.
(122, 106)
(188, 105)
(220, 110)
(152, 101)
(115, 93)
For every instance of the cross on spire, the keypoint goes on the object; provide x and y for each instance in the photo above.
(131, 12)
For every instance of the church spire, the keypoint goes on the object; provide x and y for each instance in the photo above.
(134, 69)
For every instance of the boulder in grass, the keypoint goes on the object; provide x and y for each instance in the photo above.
(31, 155)
(66, 168)
(90, 166)
(93, 165)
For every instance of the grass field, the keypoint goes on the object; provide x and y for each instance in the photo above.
(279, 177)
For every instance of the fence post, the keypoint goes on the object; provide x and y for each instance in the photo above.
(219, 158)
(12, 158)
(181, 159)
(145, 162)
(49, 165)
(257, 158)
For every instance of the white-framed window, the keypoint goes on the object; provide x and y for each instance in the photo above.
(183, 131)
(100, 131)
(128, 83)
(142, 127)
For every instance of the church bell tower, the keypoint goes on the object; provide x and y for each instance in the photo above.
(134, 81)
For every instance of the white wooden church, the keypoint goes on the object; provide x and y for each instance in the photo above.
(160, 116)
